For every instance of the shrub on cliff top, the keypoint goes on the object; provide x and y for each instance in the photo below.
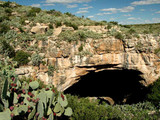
(119, 36)
(21, 57)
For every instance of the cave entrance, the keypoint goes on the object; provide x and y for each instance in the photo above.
(120, 85)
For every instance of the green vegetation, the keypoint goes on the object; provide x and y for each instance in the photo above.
(145, 28)
(157, 51)
(33, 11)
(119, 36)
(81, 35)
(51, 69)
(6, 4)
(70, 24)
(36, 59)
(154, 91)
(85, 109)
(21, 57)
(25, 101)
(58, 24)
(4, 28)
(6, 49)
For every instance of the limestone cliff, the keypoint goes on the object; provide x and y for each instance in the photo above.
(76, 59)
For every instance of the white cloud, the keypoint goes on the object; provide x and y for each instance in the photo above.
(124, 9)
(132, 18)
(156, 20)
(49, 4)
(153, 20)
(146, 2)
(127, 15)
(82, 11)
(90, 16)
(110, 9)
(86, 8)
(36, 5)
(142, 10)
(105, 13)
(85, 4)
(158, 12)
(66, 1)
(127, 9)
(72, 6)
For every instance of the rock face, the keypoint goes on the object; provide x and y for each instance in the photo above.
(113, 54)
(39, 29)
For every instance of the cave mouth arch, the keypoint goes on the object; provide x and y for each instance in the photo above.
(119, 85)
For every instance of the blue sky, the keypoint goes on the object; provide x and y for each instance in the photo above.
(122, 11)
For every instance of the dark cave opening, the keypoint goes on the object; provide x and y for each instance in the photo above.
(117, 84)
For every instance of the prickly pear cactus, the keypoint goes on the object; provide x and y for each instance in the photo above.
(28, 101)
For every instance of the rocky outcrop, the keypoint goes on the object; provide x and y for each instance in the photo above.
(39, 29)
(97, 55)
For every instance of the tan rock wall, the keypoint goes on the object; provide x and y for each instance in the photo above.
(71, 63)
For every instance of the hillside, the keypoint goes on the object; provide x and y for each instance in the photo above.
(98, 61)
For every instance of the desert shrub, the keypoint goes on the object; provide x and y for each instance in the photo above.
(109, 26)
(100, 23)
(6, 49)
(11, 35)
(154, 91)
(22, 21)
(6, 4)
(131, 31)
(83, 34)
(146, 32)
(33, 11)
(80, 48)
(50, 11)
(79, 35)
(21, 30)
(114, 22)
(8, 11)
(128, 36)
(75, 27)
(56, 13)
(136, 35)
(4, 28)
(51, 69)
(31, 14)
(21, 57)
(112, 32)
(157, 51)
(4, 17)
(69, 24)
(83, 109)
(50, 26)
(68, 36)
(24, 38)
(119, 36)
(58, 24)
(36, 59)
(69, 14)
(139, 46)
(126, 26)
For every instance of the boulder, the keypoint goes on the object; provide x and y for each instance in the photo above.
(39, 29)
